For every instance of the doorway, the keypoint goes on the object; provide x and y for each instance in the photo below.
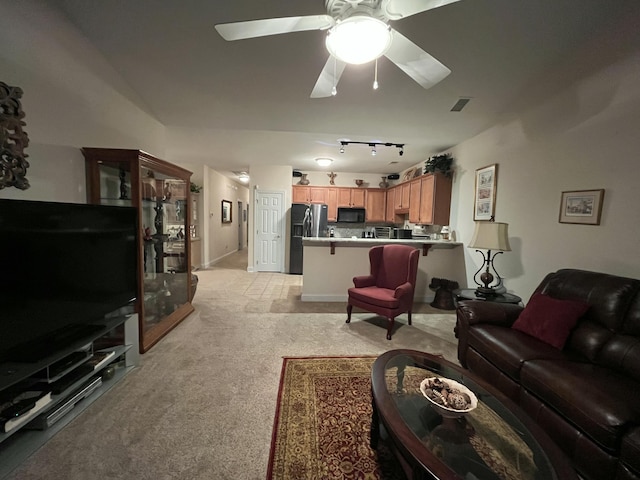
(241, 219)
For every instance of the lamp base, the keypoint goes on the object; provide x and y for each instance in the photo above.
(486, 292)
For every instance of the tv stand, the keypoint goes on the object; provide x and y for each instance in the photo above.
(70, 379)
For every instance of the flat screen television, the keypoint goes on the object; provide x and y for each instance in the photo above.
(66, 268)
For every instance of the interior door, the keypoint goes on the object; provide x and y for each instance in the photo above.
(269, 246)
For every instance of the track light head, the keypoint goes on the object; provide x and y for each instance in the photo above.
(341, 149)
(401, 152)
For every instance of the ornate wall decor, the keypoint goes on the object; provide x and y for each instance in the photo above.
(13, 140)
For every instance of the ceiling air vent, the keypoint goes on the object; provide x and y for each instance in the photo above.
(460, 104)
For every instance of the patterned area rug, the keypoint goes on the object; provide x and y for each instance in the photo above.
(322, 423)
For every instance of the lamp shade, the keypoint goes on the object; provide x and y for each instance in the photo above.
(491, 236)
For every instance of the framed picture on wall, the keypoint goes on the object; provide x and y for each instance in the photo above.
(581, 206)
(226, 211)
(484, 207)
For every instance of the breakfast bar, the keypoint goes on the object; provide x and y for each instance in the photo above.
(330, 263)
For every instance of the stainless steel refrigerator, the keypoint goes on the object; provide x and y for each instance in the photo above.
(306, 221)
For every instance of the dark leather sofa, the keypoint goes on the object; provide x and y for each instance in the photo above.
(585, 395)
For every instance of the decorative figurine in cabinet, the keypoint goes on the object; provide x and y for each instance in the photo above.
(160, 191)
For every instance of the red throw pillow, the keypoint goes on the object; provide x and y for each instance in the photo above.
(550, 319)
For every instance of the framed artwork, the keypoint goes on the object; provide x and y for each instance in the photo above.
(226, 211)
(581, 206)
(484, 207)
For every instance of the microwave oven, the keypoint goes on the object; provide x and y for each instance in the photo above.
(351, 215)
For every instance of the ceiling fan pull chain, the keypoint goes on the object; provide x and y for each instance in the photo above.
(334, 90)
(375, 76)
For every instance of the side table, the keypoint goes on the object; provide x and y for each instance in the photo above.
(470, 294)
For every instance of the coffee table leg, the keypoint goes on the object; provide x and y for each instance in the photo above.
(375, 425)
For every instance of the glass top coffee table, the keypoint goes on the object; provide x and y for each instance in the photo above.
(496, 440)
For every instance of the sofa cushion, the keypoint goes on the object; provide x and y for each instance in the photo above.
(598, 401)
(508, 349)
(550, 319)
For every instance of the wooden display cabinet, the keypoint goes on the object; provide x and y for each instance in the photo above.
(160, 191)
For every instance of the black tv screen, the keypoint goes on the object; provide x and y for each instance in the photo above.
(65, 267)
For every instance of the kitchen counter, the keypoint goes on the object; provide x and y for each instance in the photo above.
(330, 263)
(333, 242)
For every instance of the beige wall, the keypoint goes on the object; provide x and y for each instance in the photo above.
(584, 136)
(72, 98)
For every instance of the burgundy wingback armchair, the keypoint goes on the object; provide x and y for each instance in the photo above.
(389, 289)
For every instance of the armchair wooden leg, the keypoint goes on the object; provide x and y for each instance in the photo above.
(349, 308)
(409, 314)
(389, 328)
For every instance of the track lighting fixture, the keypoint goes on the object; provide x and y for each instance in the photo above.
(373, 145)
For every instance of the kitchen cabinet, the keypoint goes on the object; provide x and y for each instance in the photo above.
(160, 192)
(375, 205)
(390, 213)
(308, 194)
(430, 200)
(402, 196)
(332, 204)
(414, 200)
(351, 197)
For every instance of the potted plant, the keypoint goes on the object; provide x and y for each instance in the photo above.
(439, 163)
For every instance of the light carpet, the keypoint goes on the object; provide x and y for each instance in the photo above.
(201, 405)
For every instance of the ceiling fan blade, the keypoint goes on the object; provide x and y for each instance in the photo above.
(329, 78)
(397, 9)
(415, 62)
(273, 26)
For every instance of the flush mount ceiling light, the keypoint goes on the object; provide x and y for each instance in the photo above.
(324, 162)
(242, 176)
(358, 39)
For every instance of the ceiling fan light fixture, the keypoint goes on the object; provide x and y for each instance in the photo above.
(358, 39)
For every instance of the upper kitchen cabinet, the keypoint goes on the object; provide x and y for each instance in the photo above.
(308, 194)
(351, 197)
(430, 199)
(390, 215)
(402, 196)
(160, 192)
(375, 205)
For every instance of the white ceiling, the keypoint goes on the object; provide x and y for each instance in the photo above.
(234, 104)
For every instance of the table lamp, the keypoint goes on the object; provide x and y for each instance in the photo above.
(489, 236)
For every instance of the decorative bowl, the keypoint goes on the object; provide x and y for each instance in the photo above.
(445, 411)
(359, 182)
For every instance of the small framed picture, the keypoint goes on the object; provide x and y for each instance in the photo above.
(485, 197)
(581, 206)
(226, 211)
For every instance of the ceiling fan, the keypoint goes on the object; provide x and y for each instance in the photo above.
(358, 32)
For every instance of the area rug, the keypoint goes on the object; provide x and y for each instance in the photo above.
(322, 423)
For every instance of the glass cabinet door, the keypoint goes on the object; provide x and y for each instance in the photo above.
(163, 217)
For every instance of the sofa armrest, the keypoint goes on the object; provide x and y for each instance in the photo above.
(474, 312)
(364, 281)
